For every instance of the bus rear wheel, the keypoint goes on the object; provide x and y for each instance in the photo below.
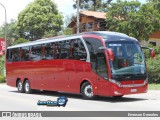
(87, 91)
(20, 86)
(27, 87)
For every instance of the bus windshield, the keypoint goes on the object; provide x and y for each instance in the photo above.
(128, 58)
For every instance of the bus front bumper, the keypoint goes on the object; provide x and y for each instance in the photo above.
(125, 89)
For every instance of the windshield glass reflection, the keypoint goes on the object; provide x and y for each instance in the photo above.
(128, 58)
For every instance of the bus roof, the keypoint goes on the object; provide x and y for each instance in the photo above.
(111, 36)
(104, 34)
(100, 33)
(45, 40)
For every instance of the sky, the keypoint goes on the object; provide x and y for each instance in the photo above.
(14, 7)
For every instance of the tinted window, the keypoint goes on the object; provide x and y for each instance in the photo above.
(36, 52)
(77, 50)
(56, 51)
(15, 56)
(25, 53)
(93, 44)
(128, 58)
(64, 51)
(81, 51)
(101, 65)
(48, 53)
(93, 47)
(9, 58)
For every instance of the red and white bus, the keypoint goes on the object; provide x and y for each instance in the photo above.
(94, 63)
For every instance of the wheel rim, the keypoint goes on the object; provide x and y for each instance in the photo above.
(27, 87)
(20, 86)
(88, 91)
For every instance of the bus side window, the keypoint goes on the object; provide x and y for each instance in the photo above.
(82, 53)
(36, 52)
(101, 65)
(71, 49)
(25, 53)
(56, 47)
(48, 53)
(77, 50)
(8, 57)
(64, 50)
(15, 55)
(93, 45)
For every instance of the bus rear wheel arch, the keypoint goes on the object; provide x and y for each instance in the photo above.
(87, 91)
(27, 87)
(20, 86)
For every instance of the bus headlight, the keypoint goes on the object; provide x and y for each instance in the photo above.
(115, 82)
(145, 81)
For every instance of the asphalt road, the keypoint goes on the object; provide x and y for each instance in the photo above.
(11, 100)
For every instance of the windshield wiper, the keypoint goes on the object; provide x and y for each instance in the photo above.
(128, 74)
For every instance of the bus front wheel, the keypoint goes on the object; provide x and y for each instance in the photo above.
(27, 87)
(20, 86)
(87, 91)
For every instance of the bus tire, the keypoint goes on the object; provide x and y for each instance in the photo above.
(27, 87)
(87, 91)
(20, 86)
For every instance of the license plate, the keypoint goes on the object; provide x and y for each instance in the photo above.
(133, 90)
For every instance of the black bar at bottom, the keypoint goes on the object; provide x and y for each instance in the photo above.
(79, 113)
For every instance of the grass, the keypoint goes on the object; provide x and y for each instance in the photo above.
(2, 79)
(154, 86)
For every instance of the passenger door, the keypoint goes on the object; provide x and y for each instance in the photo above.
(102, 71)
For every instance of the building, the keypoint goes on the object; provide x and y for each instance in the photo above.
(95, 21)
(89, 21)
(155, 38)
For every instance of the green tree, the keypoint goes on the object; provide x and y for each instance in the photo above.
(37, 18)
(94, 5)
(12, 32)
(1, 32)
(2, 61)
(68, 31)
(150, 21)
(132, 18)
(20, 40)
(51, 33)
(155, 3)
(2, 69)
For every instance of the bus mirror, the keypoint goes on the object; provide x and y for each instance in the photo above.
(152, 53)
(111, 54)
